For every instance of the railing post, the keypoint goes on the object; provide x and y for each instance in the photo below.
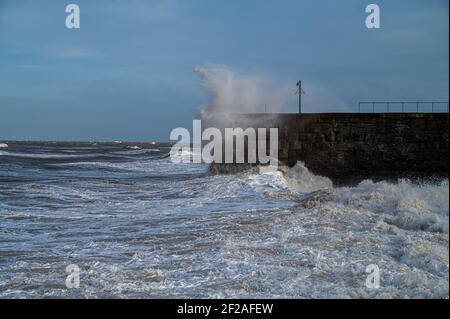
(388, 106)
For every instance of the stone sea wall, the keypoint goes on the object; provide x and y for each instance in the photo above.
(354, 146)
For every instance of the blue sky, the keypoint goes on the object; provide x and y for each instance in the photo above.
(127, 73)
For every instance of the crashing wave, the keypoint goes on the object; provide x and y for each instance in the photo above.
(300, 179)
(406, 205)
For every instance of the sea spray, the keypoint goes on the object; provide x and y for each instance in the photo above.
(235, 91)
(232, 90)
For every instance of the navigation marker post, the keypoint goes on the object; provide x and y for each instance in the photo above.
(300, 92)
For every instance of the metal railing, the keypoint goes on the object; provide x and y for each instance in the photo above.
(416, 106)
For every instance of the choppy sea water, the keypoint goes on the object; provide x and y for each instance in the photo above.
(139, 226)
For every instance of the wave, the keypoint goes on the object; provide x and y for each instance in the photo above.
(110, 155)
(137, 151)
(300, 179)
(47, 155)
(405, 204)
(3, 145)
(284, 223)
(184, 153)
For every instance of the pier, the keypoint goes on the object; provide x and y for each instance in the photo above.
(349, 147)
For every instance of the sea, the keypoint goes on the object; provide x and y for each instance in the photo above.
(123, 220)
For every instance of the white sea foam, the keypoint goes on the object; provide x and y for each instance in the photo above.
(136, 151)
(400, 226)
(271, 178)
(405, 204)
(3, 145)
(300, 179)
(285, 233)
(188, 152)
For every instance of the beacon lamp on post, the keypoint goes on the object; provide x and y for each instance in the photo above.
(299, 92)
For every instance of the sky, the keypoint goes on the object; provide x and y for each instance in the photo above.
(128, 72)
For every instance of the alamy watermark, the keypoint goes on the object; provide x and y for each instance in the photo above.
(234, 145)
(373, 277)
(73, 19)
(373, 19)
(73, 277)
